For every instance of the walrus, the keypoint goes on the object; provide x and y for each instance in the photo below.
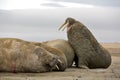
(89, 52)
(65, 47)
(17, 55)
(62, 59)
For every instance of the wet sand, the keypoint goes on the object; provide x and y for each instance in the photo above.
(111, 73)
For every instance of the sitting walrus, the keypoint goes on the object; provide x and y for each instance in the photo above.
(22, 56)
(89, 52)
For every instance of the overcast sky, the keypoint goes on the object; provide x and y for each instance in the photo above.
(39, 20)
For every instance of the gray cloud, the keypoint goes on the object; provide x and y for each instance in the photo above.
(41, 25)
(52, 5)
(115, 3)
(95, 17)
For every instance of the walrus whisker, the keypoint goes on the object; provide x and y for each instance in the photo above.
(57, 67)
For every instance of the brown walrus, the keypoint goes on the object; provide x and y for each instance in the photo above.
(17, 55)
(89, 52)
(65, 47)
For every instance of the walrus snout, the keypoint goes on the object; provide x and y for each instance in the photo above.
(54, 63)
(68, 22)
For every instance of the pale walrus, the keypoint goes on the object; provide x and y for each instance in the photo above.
(89, 52)
(17, 55)
(65, 47)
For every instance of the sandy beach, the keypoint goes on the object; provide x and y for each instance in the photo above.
(111, 73)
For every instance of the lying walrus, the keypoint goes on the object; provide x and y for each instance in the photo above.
(21, 56)
(89, 52)
(65, 47)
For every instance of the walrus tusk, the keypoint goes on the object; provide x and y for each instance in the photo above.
(57, 67)
(63, 26)
(59, 61)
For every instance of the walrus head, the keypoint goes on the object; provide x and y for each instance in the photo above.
(68, 22)
(48, 61)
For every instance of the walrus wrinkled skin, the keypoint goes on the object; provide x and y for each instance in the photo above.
(63, 46)
(89, 52)
(17, 55)
(63, 62)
